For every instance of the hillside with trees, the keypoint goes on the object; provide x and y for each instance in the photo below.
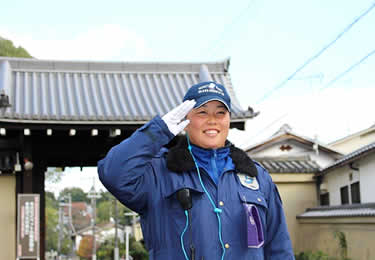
(8, 49)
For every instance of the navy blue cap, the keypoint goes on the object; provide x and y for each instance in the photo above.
(207, 91)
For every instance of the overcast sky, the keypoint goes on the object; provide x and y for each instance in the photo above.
(266, 41)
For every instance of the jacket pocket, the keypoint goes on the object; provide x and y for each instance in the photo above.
(254, 208)
(253, 197)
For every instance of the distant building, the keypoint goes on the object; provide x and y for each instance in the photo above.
(103, 231)
(349, 180)
(81, 215)
(347, 206)
(354, 141)
(292, 161)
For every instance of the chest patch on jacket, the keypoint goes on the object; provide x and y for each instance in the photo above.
(248, 181)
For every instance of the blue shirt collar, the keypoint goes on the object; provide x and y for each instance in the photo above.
(213, 161)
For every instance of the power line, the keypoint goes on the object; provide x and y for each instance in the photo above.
(317, 54)
(325, 86)
(234, 20)
(348, 70)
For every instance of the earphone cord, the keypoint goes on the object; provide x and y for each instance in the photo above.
(182, 235)
(216, 210)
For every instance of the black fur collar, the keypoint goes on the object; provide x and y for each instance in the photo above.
(179, 159)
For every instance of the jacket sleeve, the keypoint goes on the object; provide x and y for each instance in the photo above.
(126, 170)
(278, 245)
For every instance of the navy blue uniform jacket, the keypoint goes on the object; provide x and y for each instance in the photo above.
(145, 176)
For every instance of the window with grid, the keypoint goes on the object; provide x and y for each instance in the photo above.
(324, 199)
(355, 192)
(344, 192)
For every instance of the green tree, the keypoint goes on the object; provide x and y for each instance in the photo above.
(51, 200)
(105, 196)
(106, 250)
(78, 195)
(136, 250)
(106, 209)
(343, 244)
(53, 175)
(51, 223)
(8, 49)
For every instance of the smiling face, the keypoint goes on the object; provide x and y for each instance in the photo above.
(209, 125)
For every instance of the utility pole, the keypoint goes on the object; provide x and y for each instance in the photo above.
(62, 204)
(60, 232)
(93, 195)
(72, 231)
(116, 253)
(128, 231)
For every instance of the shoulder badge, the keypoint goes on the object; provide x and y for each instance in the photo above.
(248, 181)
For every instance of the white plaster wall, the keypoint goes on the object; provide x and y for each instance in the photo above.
(340, 177)
(111, 233)
(270, 150)
(273, 149)
(323, 159)
(367, 182)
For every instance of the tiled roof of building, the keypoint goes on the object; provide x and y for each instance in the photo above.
(81, 216)
(99, 227)
(357, 154)
(42, 91)
(288, 164)
(353, 210)
(79, 205)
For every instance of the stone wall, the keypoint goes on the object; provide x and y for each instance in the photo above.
(319, 234)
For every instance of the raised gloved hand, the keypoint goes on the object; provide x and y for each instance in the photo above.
(173, 118)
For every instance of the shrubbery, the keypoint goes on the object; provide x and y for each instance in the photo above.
(319, 255)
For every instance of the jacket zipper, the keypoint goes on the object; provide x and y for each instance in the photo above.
(213, 165)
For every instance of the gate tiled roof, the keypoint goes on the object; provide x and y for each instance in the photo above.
(42, 91)
(301, 164)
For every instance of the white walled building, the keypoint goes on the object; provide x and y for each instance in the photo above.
(292, 161)
(287, 144)
(349, 180)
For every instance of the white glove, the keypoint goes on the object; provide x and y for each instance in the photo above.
(173, 118)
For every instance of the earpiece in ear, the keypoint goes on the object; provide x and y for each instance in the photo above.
(189, 146)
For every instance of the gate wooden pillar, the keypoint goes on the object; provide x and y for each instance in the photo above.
(31, 180)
